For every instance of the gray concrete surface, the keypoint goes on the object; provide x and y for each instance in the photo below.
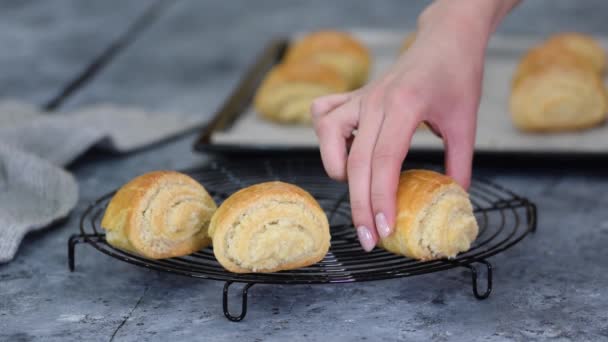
(552, 286)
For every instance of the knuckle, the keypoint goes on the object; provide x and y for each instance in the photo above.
(316, 106)
(355, 163)
(379, 195)
(359, 210)
(405, 96)
(385, 157)
(325, 125)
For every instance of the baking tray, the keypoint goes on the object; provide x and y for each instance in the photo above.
(235, 127)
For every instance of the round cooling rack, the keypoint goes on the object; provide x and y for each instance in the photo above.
(504, 219)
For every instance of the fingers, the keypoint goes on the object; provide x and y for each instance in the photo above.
(459, 140)
(334, 132)
(359, 169)
(401, 119)
(325, 104)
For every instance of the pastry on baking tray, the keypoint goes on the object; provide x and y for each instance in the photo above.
(581, 45)
(558, 99)
(269, 227)
(287, 92)
(434, 217)
(338, 50)
(544, 57)
(558, 85)
(161, 214)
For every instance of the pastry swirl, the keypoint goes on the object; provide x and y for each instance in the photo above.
(161, 214)
(269, 227)
(434, 217)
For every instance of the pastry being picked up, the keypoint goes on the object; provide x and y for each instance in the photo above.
(269, 227)
(434, 219)
(161, 214)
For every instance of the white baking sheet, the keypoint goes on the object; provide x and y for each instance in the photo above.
(495, 132)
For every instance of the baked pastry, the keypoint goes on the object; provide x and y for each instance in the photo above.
(545, 57)
(269, 227)
(558, 85)
(580, 45)
(161, 214)
(287, 92)
(338, 50)
(434, 217)
(558, 99)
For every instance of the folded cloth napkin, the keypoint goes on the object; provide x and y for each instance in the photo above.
(35, 190)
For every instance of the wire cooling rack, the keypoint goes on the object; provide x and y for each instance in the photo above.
(504, 219)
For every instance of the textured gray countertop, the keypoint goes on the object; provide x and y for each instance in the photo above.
(552, 286)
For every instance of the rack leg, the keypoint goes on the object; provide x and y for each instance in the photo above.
(474, 276)
(532, 217)
(74, 239)
(243, 305)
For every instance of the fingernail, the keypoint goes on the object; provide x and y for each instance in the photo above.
(384, 230)
(365, 238)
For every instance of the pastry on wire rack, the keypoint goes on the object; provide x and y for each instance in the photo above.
(434, 220)
(161, 214)
(269, 227)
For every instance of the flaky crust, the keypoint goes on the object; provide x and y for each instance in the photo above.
(434, 217)
(252, 208)
(337, 49)
(161, 214)
(287, 92)
(558, 99)
(545, 57)
(582, 45)
(558, 85)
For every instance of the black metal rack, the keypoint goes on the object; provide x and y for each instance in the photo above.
(504, 219)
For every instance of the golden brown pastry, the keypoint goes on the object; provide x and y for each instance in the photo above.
(434, 217)
(558, 85)
(161, 214)
(546, 57)
(558, 99)
(338, 50)
(269, 227)
(287, 92)
(581, 45)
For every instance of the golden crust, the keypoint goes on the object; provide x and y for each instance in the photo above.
(545, 57)
(252, 208)
(581, 45)
(558, 85)
(559, 99)
(287, 85)
(305, 73)
(434, 217)
(158, 215)
(338, 50)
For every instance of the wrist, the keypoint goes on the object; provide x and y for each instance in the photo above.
(473, 18)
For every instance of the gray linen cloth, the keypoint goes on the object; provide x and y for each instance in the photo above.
(35, 190)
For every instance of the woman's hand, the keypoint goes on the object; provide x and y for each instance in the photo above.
(437, 81)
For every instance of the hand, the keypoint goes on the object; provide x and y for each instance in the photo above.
(438, 81)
